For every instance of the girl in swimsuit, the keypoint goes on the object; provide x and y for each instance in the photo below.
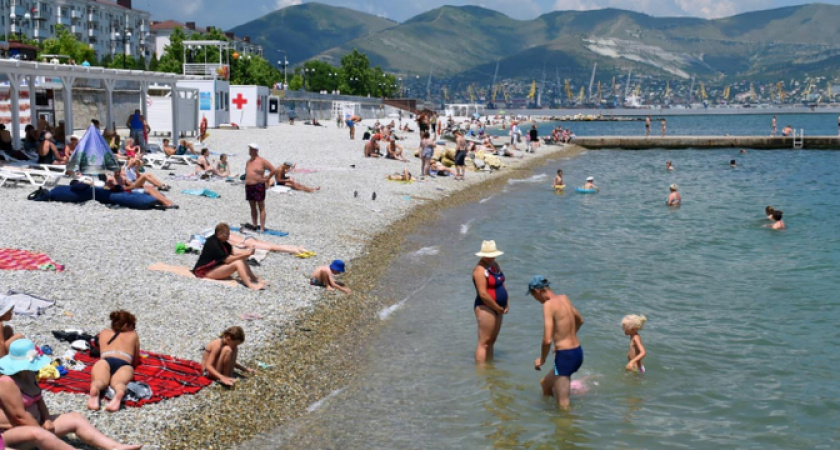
(120, 354)
(21, 400)
(222, 168)
(219, 358)
(632, 324)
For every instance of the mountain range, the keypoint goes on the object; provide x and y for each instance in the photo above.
(466, 42)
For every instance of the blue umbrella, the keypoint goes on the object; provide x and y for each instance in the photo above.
(93, 156)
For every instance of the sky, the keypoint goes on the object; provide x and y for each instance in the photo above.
(229, 13)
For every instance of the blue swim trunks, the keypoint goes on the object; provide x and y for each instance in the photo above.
(567, 362)
(351, 123)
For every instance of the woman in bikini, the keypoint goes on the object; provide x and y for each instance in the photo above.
(219, 357)
(131, 150)
(23, 404)
(120, 348)
(222, 167)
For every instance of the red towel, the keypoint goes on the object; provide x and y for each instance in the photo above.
(167, 376)
(14, 259)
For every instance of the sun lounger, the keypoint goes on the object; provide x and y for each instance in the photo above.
(10, 176)
(34, 176)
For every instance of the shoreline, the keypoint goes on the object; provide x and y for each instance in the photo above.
(347, 323)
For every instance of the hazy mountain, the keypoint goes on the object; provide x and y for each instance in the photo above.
(306, 30)
(466, 42)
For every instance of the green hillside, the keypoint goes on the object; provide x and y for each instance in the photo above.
(466, 42)
(306, 30)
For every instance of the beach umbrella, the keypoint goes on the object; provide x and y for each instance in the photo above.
(93, 156)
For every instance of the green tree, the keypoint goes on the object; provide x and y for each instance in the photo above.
(172, 60)
(355, 68)
(123, 61)
(65, 43)
(321, 76)
(295, 82)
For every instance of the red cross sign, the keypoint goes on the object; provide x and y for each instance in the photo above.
(239, 101)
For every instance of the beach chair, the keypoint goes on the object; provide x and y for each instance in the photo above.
(6, 175)
(35, 177)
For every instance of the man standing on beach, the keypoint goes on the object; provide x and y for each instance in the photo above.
(647, 126)
(255, 181)
(138, 128)
(561, 322)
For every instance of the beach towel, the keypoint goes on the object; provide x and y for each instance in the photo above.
(186, 272)
(302, 170)
(201, 193)
(281, 189)
(267, 231)
(26, 304)
(14, 259)
(167, 376)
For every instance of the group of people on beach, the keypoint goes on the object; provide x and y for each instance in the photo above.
(561, 324)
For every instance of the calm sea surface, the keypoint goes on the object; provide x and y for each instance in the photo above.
(742, 335)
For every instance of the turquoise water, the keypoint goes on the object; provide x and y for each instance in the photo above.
(742, 335)
(747, 125)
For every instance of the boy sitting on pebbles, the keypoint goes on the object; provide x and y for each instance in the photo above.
(323, 277)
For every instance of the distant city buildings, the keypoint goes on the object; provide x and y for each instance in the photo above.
(109, 27)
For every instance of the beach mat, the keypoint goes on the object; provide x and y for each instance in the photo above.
(185, 272)
(15, 259)
(168, 377)
(267, 231)
(201, 193)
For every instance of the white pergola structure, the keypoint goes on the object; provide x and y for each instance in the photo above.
(207, 69)
(17, 71)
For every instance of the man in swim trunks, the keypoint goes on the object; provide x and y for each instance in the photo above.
(255, 182)
(561, 324)
(351, 124)
(647, 126)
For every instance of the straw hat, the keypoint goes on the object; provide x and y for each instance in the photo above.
(489, 250)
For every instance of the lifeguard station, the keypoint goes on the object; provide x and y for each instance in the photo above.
(209, 60)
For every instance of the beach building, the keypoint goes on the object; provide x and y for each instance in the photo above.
(249, 106)
(108, 27)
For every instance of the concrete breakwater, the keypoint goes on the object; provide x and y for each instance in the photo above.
(686, 142)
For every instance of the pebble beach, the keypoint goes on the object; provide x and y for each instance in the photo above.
(302, 328)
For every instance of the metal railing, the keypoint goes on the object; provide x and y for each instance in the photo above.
(203, 70)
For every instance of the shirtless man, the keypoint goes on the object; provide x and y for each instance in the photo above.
(674, 198)
(778, 224)
(561, 323)
(282, 178)
(351, 124)
(773, 127)
(255, 184)
(372, 147)
(647, 126)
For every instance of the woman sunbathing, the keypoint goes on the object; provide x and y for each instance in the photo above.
(120, 348)
(204, 164)
(218, 260)
(442, 170)
(219, 357)
(250, 242)
(131, 150)
(23, 404)
(405, 176)
(118, 182)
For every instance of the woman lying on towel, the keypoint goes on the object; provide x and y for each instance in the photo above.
(219, 260)
(120, 349)
(23, 405)
(219, 357)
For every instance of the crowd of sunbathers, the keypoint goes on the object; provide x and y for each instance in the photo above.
(383, 133)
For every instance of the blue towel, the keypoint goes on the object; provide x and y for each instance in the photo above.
(201, 192)
(267, 231)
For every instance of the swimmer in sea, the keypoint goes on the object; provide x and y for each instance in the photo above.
(778, 223)
(669, 166)
(590, 184)
(558, 180)
(632, 324)
(732, 163)
(743, 151)
(674, 199)
(769, 212)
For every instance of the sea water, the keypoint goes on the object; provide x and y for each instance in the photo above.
(742, 334)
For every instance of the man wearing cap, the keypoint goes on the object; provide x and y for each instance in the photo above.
(255, 184)
(561, 322)
(282, 178)
(590, 184)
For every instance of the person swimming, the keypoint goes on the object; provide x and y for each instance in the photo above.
(590, 184)
(768, 211)
(778, 223)
(669, 166)
(674, 199)
(732, 163)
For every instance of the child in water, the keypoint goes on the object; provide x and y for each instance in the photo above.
(632, 324)
(778, 224)
(558, 180)
(769, 212)
(219, 358)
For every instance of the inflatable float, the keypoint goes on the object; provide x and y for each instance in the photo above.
(581, 190)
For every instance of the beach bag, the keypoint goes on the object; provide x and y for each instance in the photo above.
(41, 195)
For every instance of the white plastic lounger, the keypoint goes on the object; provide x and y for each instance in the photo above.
(10, 176)
(35, 177)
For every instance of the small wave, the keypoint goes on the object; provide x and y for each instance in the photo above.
(315, 406)
(428, 251)
(465, 227)
(534, 179)
(485, 200)
(386, 312)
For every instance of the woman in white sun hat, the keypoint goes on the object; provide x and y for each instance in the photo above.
(491, 300)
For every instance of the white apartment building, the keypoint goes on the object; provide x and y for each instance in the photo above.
(161, 31)
(109, 27)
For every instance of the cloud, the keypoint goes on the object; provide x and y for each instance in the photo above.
(280, 4)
